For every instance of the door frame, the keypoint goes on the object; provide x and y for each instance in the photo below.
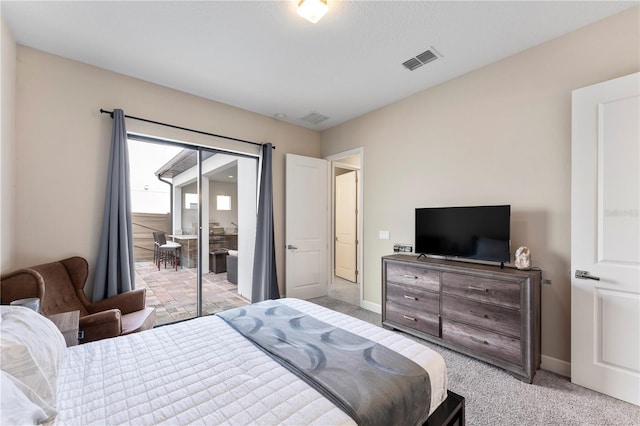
(334, 160)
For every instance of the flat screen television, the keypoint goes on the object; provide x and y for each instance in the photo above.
(478, 232)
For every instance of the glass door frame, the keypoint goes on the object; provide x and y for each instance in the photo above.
(200, 149)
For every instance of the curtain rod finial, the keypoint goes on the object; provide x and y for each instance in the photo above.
(104, 111)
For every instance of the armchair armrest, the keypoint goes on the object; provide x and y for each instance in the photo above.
(101, 325)
(21, 284)
(128, 302)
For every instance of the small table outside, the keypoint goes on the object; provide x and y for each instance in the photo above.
(218, 261)
(68, 324)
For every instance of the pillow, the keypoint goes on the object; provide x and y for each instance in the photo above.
(19, 405)
(31, 350)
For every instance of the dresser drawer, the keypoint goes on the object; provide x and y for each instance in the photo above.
(482, 341)
(503, 293)
(492, 317)
(416, 319)
(414, 298)
(413, 275)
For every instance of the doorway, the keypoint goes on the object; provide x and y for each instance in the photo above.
(203, 201)
(345, 282)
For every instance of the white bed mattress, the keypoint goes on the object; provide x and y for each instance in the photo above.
(203, 372)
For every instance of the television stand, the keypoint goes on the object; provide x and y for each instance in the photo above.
(422, 255)
(483, 311)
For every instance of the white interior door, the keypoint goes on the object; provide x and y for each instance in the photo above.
(346, 199)
(605, 238)
(306, 226)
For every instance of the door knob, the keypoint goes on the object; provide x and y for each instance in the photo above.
(584, 275)
(290, 247)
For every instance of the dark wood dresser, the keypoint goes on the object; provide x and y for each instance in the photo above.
(483, 311)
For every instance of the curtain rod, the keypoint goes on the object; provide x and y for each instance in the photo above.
(104, 111)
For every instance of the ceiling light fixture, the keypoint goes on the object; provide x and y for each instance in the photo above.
(312, 10)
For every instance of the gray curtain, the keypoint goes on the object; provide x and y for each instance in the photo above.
(115, 267)
(265, 279)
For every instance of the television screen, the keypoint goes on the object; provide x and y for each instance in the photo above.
(480, 232)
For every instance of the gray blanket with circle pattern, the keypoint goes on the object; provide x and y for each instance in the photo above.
(370, 382)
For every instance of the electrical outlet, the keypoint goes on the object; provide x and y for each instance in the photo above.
(546, 281)
(384, 235)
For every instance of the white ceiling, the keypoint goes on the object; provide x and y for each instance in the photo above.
(262, 57)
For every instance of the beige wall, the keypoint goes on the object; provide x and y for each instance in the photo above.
(7, 145)
(63, 146)
(499, 135)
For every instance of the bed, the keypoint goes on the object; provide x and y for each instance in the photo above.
(200, 371)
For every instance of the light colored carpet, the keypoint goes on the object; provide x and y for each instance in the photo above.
(494, 397)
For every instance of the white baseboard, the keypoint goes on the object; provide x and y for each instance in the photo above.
(370, 306)
(555, 365)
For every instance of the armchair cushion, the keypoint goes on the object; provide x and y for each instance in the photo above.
(128, 302)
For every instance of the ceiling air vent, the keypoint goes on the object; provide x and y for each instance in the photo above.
(412, 64)
(423, 58)
(314, 118)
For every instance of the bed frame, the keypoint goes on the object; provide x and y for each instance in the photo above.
(449, 413)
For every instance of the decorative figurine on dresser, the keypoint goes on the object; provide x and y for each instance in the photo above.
(523, 258)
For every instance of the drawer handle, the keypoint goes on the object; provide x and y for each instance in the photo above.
(406, 296)
(410, 276)
(484, 290)
(479, 315)
(475, 339)
(407, 317)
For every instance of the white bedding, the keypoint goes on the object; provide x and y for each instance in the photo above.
(203, 372)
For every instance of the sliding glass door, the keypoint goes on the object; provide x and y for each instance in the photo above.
(202, 202)
(228, 222)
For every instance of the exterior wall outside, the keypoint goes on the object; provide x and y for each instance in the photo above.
(223, 217)
(62, 147)
(7, 147)
(498, 135)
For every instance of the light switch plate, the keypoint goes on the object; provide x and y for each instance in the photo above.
(384, 235)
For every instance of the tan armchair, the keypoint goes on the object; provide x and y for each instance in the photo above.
(60, 287)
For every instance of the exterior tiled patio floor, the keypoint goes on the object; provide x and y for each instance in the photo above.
(173, 293)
